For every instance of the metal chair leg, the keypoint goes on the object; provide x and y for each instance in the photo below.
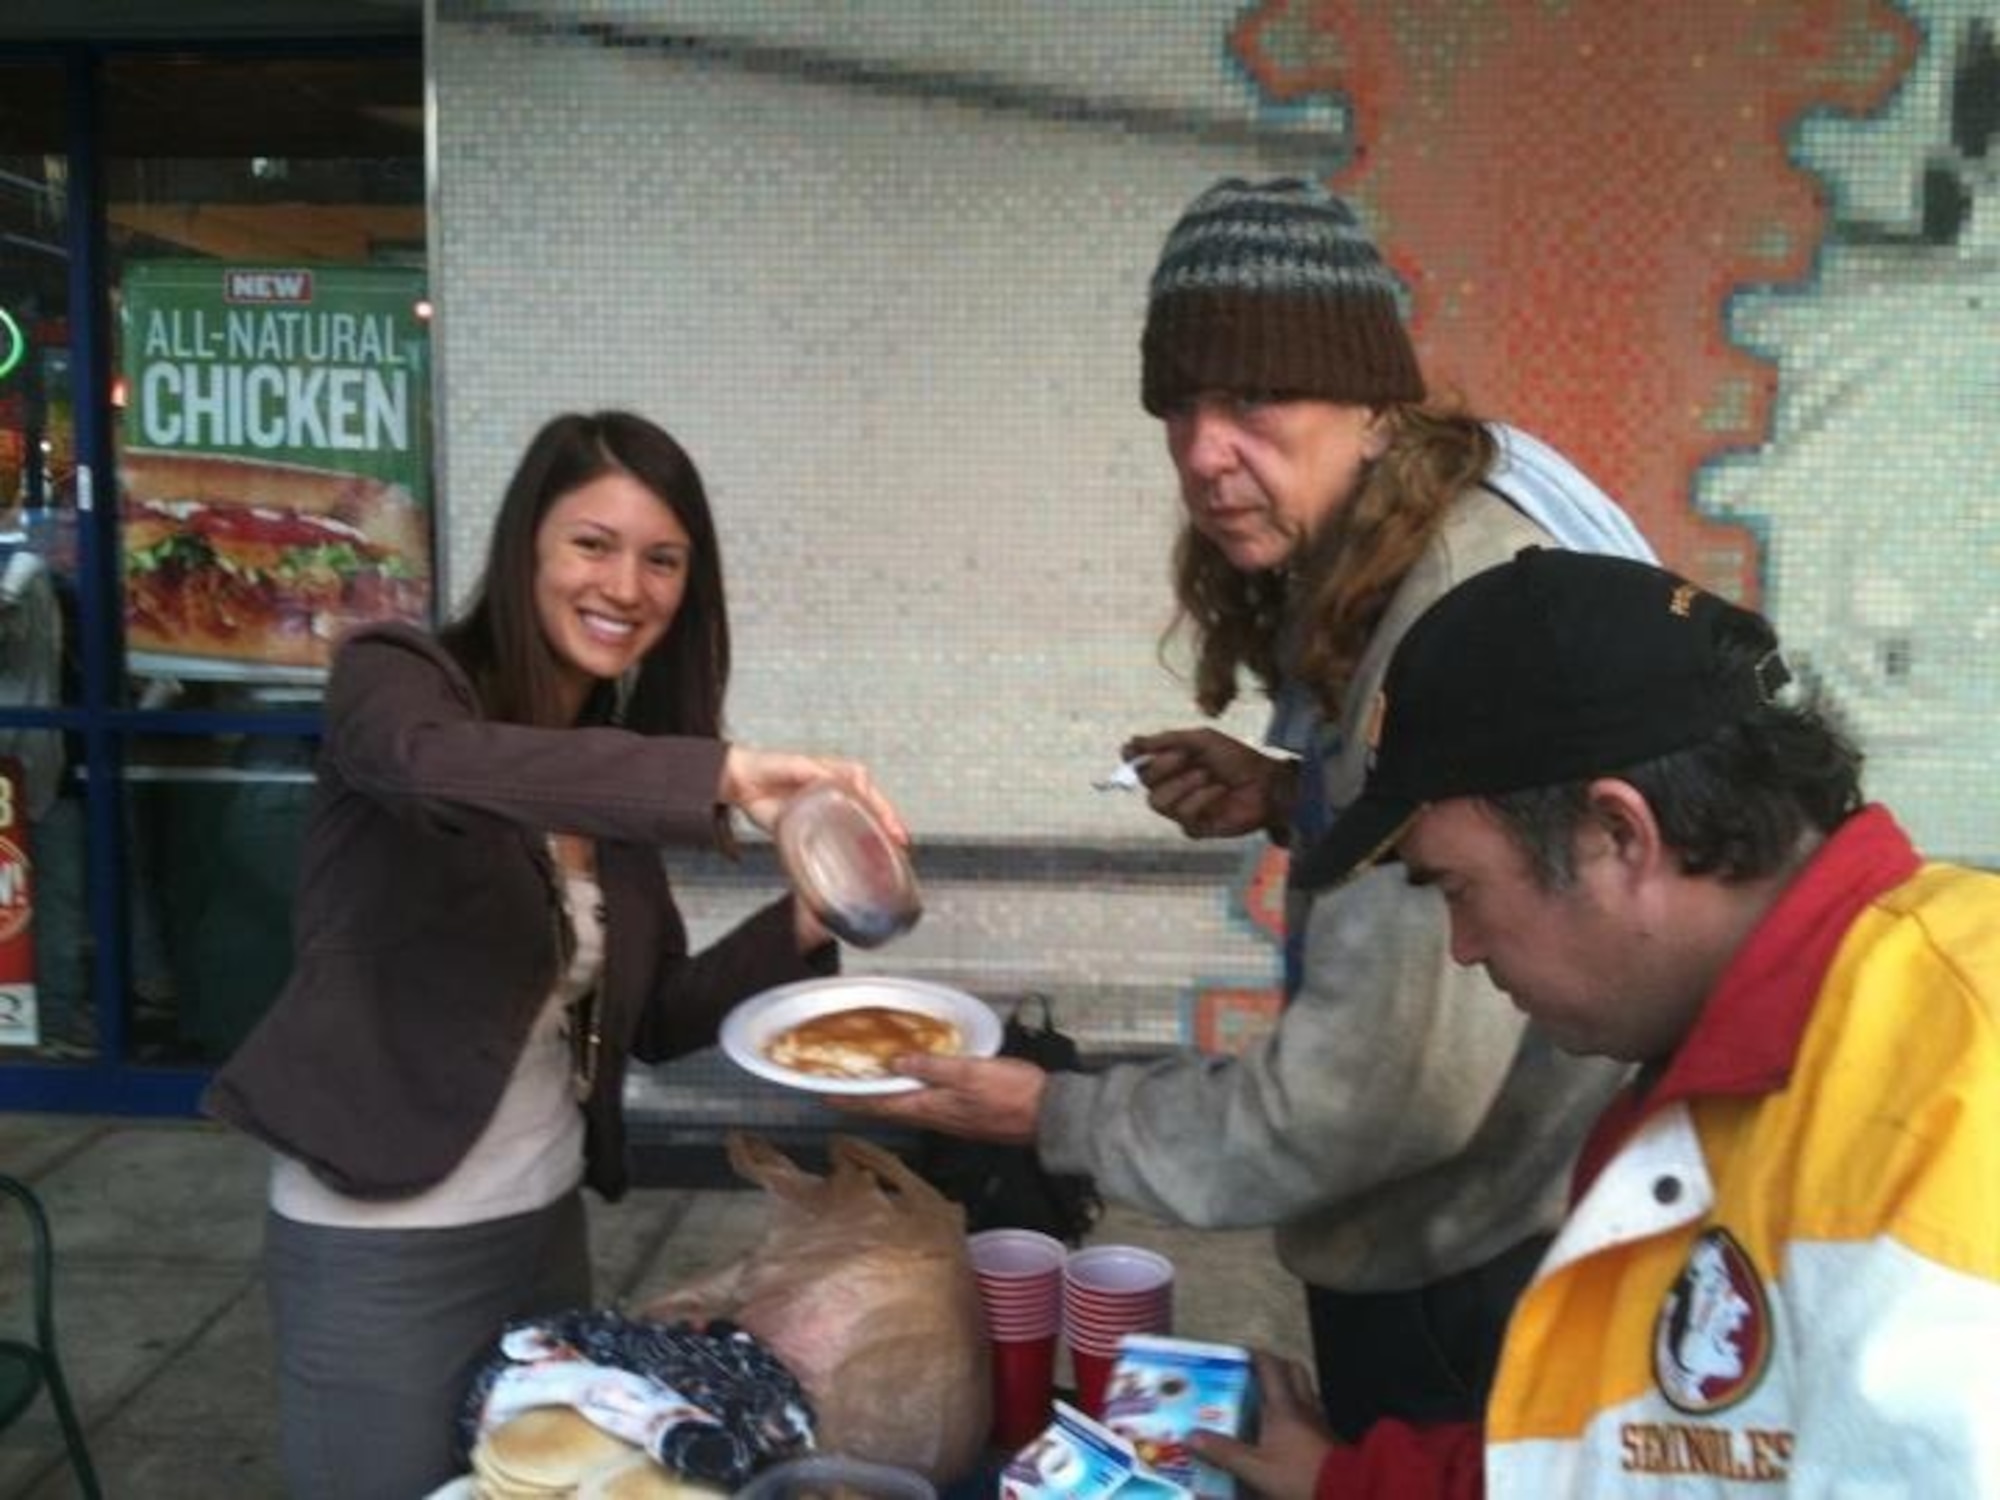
(72, 1430)
(44, 1347)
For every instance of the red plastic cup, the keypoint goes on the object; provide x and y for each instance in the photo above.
(1118, 1274)
(1092, 1374)
(1015, 1254)
(1019, 1273)
(1024, 1376)
(1103, 1341)
(1108, 1292)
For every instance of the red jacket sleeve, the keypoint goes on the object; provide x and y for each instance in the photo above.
(1398, 1461)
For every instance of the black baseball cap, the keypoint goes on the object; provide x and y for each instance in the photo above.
(1553, 667)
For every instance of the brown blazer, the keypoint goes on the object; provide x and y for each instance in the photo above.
(427, 929)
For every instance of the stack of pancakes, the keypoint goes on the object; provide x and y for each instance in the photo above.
(556, 1451)
(861, 1042)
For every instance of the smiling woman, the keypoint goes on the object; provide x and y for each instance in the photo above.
(487, 935)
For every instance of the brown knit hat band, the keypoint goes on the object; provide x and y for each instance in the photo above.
(1274, 288)
(1351, 349)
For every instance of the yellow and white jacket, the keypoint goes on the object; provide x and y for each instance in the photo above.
(1783, 1276)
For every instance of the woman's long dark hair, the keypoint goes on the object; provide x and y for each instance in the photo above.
(679, 686)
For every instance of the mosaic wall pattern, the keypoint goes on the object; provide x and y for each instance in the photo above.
(881, 266)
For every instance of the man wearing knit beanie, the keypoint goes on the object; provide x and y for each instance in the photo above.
(1274, 288)
(1404, 1130)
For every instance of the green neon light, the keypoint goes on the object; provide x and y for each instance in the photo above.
(16, 348)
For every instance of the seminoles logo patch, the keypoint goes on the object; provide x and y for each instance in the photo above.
(1713, 1337)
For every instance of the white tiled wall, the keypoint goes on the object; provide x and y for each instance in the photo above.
(881, 267)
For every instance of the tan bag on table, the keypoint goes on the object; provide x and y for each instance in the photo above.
(862, 1285)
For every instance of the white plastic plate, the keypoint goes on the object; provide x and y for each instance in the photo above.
(750, 1027)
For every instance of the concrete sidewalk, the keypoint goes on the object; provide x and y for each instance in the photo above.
(160, 1308)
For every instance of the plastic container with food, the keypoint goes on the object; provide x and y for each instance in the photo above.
(845, 866)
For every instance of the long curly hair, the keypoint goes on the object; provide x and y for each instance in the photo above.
(1341, 579)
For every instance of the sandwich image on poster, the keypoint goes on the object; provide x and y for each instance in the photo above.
(228, 559)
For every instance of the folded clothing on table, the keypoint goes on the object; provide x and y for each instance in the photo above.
(708, 1402)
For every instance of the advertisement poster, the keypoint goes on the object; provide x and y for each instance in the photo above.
(275, 463)
(20, 1024)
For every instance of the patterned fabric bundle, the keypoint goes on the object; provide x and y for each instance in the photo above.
(711, 1403)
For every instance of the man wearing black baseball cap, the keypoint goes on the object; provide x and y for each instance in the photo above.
(1792, 1213)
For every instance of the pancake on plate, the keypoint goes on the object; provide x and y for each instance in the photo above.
(859, 1043)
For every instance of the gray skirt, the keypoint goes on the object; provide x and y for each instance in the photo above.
(380, 1331)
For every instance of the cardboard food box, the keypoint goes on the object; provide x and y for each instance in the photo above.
(1076, 1457)
(1162, 1389)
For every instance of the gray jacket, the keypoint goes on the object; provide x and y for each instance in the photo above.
(1402, 1122)
(427, 929)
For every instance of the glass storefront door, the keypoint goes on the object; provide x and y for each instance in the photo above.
(213, 303)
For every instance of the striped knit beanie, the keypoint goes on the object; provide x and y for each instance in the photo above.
(1275, 288)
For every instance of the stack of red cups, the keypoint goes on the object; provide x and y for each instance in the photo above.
(1109, 1291)
(1020, 1276)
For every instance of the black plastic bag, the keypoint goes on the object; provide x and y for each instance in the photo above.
(1007, 1187)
